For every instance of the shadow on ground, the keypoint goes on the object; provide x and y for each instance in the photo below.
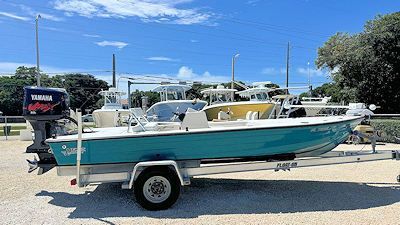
(228, 196)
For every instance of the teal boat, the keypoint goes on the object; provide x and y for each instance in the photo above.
(156, 158)
(194, 138)
(257, 139)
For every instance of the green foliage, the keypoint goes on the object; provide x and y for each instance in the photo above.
(136, 98)
(12, 133)
(388, 129)
(83, 89)
(365, 66)
(333, 90)
(195, 91)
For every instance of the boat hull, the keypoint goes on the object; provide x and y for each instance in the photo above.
(308, 140)
(239, 110)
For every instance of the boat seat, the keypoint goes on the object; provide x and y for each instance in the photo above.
(194, 120)
(162, 126)
(248, 115)
(254, 116)
(223, 116)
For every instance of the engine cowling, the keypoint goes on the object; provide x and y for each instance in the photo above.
(42, 107)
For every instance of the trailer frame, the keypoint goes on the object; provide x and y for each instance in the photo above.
(156, 184)
(126, 173)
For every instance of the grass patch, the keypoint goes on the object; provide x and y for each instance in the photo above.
(18, 127)
(388, 129)
(12, 133)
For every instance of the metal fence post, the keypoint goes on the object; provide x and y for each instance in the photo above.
(6, 128)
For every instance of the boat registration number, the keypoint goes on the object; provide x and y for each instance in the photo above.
(286, 165)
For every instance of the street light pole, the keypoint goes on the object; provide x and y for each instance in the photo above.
(233, 72)
(309, 78)
(37, 51)
(287, 67)
(233, 69)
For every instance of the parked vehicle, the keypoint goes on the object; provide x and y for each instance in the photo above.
(87, 118)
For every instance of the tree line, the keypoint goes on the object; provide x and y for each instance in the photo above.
(83, 89)
(365, 67)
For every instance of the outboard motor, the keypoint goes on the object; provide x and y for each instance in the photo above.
(42, 107)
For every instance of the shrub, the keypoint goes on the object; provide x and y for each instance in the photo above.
(387, 128)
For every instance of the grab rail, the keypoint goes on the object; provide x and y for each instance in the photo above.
(133, 115)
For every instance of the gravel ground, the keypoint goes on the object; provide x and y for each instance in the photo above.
(363, 193)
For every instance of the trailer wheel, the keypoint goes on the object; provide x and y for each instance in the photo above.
(398, 178)
(157, 188)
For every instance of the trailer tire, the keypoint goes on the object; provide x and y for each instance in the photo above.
(157, 188)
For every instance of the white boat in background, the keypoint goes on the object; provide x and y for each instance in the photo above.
(313, 101)
(112, 112)
(173, 103)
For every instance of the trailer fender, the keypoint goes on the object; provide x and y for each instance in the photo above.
(139, 167)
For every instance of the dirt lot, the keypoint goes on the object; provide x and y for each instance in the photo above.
(363, 193)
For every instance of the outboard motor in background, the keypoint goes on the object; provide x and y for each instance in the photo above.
(42, 107)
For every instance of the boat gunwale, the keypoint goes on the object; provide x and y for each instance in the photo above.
(203, 131)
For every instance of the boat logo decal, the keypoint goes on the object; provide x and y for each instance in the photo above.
(47, 98)
(70, 151)
(44, 107)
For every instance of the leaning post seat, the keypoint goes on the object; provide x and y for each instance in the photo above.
(194, 120)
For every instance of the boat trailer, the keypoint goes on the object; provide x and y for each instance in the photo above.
(156, 184)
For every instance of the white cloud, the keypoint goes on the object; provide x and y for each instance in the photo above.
(269, 71)
(148, 11)
(118, 44)
(194, 41)
(34, 13)
(273, 71)
(49, 17)
(252, 2)
(91, 35)
(161, 58)
(313, 72)
(14, 16)
(187, 73)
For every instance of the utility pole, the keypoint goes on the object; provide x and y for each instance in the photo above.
(287, 67)
(129, 94)
(37, 51)
(113, 71)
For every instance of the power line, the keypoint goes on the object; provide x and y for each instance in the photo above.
(241, 36)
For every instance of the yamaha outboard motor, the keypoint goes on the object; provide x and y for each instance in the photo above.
(42, 107)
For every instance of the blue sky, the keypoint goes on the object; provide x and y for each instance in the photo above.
(185, 39)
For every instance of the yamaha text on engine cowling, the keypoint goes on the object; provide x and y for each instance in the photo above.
(42, 107)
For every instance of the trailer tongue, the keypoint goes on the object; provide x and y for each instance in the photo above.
(42, 107)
